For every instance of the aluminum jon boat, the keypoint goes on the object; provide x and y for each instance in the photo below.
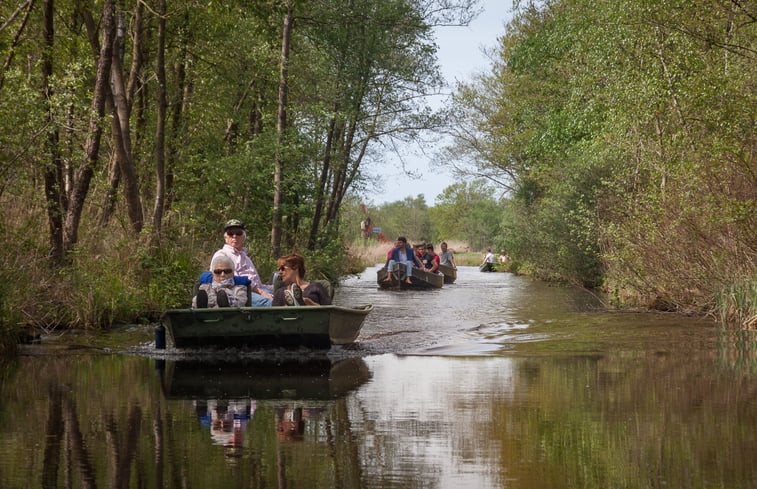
(313, 326)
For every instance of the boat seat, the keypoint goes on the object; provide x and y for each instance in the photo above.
(207, 277)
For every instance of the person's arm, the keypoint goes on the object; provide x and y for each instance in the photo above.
(315, 294)
(417, 260)
(239, 295)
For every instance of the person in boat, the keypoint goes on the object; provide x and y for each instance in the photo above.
(223, 290)
(296, 291)
(446, 257)
(402, 255)
(430, 260)
(420, 250)
(234, 235)
(488, 263)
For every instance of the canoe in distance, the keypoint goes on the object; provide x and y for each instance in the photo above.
(420, 279)
(450, 273)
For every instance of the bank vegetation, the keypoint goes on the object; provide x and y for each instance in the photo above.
(624, 135)
(612, 145)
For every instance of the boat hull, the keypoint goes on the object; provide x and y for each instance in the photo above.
(450, 274)
(315, 326)
(486, 267)
(420, 279)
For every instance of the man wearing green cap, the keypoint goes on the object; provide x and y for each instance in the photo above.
(235, 235)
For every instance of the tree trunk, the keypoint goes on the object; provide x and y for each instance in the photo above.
(160, 131)
(180, 98)
(280, 129)
(84, 173)
(53, 170)
(122, 133)
(322, 185)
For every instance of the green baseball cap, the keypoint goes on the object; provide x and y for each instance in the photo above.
(233, 223)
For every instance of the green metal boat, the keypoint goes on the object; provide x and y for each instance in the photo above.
(314, 326)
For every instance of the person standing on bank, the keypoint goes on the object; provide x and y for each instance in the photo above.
(234, 234)
(296, 291)
(402, 254)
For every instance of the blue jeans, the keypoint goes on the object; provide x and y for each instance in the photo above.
(408, 264)
(257, 300)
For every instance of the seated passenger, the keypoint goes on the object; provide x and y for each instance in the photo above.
(430, 259)
(234, 235)
(402, 254)
(446, 257)
(222, 290)
(296, 291)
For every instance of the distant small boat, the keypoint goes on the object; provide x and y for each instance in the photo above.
(316, 326)
(450, 274)
(486, 267)
(420, 279)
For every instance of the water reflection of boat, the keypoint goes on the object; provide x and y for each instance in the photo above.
(317, 326)
(290, 379)
(421, 279)
(450, 273)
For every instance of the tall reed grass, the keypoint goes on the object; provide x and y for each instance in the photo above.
(737, 306)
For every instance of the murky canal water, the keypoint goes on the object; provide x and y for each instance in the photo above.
(495, 381)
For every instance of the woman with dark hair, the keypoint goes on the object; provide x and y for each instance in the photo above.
(296, 291)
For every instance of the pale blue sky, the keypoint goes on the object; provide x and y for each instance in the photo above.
(460, 56)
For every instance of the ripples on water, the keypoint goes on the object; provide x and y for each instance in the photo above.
(494, 381)
(479, 314)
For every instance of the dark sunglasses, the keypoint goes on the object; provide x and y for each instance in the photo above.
(284, 267)
(236, 232)
(223, 270)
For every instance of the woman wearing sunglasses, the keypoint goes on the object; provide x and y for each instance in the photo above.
(222, 291)
(296, 291)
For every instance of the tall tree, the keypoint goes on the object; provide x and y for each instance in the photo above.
(160, 131)
(100, 92)
(281, 127)
(53, 170)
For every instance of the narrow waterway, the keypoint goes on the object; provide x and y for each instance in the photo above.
(494, 381)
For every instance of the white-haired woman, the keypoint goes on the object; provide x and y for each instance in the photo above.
(223, 290)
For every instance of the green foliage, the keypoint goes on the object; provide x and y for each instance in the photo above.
(624, 134)
(408, 217)
(469, 212)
